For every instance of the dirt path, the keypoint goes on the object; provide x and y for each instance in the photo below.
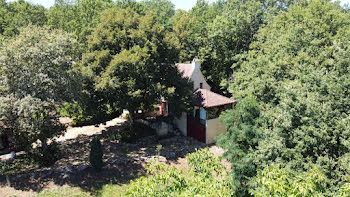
(74, 132)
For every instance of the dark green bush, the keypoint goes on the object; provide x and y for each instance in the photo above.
(48, 156)
(132, 133)
(87, 114)
(96, 154)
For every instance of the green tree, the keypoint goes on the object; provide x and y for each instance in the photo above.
(226, 32)
(297, 70)
(3, 12)
(79, 17)
(130, 63)
(241, 140)
(181, 27)
(163, 10)
(14, 15)
(35, 77)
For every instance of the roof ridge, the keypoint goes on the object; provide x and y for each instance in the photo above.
(207, 98)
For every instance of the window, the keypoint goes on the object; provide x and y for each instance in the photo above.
(201, 85)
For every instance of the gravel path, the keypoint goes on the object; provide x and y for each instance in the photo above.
(73, 133)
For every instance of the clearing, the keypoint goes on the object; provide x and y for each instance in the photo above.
(123, 161)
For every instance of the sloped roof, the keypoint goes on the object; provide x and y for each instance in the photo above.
(185, 69)
(207, 98)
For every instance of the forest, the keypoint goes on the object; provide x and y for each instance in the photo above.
(285, 62)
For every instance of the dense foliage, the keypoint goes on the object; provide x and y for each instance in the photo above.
(276, 181)
(206, 176)
(34, 77)
(297, 71)
(129, 64)
(78, 17)
(14, 15)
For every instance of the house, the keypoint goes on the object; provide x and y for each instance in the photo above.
(203, 124)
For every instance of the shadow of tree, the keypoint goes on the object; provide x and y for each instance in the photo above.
(123, 161)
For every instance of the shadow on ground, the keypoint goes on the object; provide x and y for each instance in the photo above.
(123, 161)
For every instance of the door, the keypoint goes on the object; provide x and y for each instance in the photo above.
(196, 128)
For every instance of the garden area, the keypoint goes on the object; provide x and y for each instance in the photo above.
(124, 159)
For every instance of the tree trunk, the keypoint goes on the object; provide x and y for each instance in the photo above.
(8, 180)
(131, 118)
(44, 145)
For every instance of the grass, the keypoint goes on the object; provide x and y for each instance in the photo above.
(64, 191)
(112, 190)
(109, 190)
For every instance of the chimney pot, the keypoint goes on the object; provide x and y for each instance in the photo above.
(195, 63)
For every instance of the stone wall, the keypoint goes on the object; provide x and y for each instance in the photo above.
(162, 128)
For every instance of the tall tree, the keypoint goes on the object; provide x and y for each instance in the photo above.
(297, 70)
(35, 76)
(130, 62)
(181, 27)
(15, 15)
(79, 17)
(163, 10)
(220, 32)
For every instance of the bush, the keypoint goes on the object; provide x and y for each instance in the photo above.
(276, 181)
(132, 133)
(210, 180)
(74, 111)
(96, 154)
(46, 157)
(4, 168)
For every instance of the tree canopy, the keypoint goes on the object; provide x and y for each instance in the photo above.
(35, 76)
(297, 71)
(15, 15)
(130, 60)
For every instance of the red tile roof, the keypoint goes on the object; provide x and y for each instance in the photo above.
(185, 69)
(207, 98)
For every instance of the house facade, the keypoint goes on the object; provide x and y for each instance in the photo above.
(203, 123)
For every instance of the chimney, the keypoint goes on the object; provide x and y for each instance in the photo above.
(196, 64)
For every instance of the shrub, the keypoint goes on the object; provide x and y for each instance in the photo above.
(87, 112)
(170, 181)
(46, 157)
(4, 169)
(276, 181)
(96, 153)
(205, 163)
(131, 133)
(74, 111)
